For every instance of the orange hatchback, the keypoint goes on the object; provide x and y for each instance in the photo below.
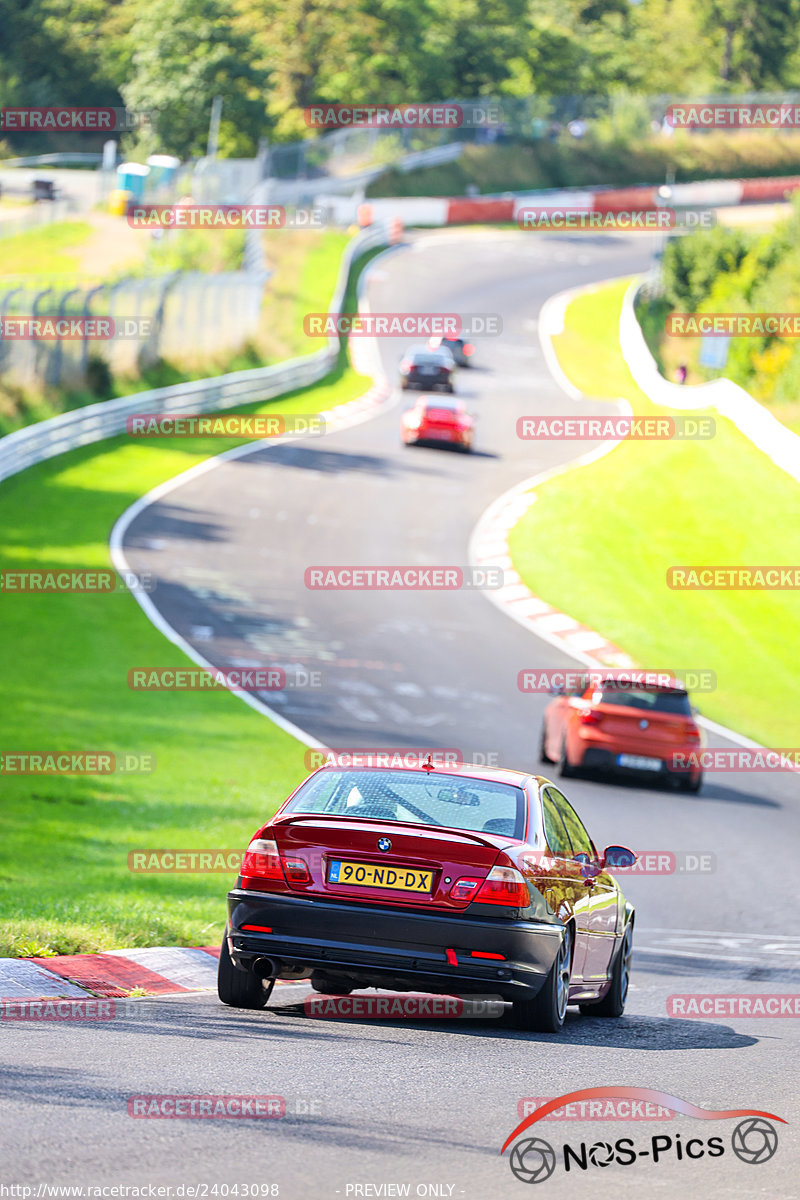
(626, 728)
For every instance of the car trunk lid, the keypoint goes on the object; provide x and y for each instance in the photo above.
(373, 861)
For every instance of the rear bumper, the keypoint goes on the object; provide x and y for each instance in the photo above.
(604, 758)
(384, 948)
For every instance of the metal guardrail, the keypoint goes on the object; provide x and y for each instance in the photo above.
(52, 160)
(36, 443)
(752, 419)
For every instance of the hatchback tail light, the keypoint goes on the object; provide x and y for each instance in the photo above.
(504, 885)
(692, 733)
(590, 717)
(468, 349)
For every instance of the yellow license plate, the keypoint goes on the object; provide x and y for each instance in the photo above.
(399, 879)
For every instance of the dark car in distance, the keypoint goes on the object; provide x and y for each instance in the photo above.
(427, 369)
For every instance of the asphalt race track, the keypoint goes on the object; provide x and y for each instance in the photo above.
(429, 1103)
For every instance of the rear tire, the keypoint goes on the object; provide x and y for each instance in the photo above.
(545, 1012)
(613, 1003)
(240, 989)
(543, 755)
(691, 785)
(565, 767)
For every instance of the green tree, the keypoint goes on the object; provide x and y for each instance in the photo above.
(754, 40)
(181, 57)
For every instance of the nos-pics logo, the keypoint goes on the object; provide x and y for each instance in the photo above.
(754, 1139)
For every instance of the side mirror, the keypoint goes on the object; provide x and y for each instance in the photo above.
(618, 856)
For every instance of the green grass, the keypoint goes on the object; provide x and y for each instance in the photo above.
(305, 266)
(596, 160)
(44, 251)
(599, 539)
(221, 768)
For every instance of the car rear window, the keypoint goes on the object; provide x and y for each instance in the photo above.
(429, 360)
(650, 699)
(477, 805)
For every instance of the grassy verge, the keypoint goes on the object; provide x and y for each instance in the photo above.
(596, 161)
(614, 527)
(305, 265)
(45, 251)
(221, 769)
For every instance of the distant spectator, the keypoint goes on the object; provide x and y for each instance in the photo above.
(577, 128)
(681, 373)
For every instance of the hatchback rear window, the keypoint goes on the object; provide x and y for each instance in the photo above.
(476, 805)
(650, 699)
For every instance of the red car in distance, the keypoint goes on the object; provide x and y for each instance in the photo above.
(454, 880)
(623, 727)
(434, 420)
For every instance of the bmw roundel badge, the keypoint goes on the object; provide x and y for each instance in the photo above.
(384, 844)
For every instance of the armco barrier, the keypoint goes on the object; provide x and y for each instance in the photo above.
(710, 193)
(464, 212)
(757, 423)
(769, 189)
(83, 426)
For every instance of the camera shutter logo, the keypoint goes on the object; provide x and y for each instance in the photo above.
(533, 1160)
(754, 1140)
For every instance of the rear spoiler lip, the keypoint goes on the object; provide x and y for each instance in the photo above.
(468, 835)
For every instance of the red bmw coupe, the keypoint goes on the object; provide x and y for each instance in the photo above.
(453, 880)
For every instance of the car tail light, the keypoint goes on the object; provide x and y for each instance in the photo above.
(590, 717)
(468, 348)
(295, 870)
(464, 889)
(692, 734)
(504, 885)
(486, 954)
(262, 862)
